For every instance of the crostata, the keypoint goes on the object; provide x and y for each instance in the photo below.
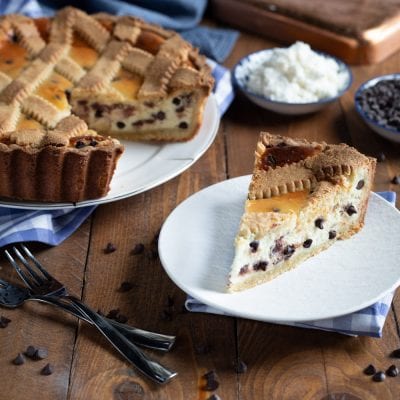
(72, 85)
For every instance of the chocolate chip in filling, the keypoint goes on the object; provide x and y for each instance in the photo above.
(254, 246)
(183, 125)
(360, 184)
(288, 251)
(307, 244)
(350, 209)
(121, 125)
(332, 234)
(260, 266)
(319, 223)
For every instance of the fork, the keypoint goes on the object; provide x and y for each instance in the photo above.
(41, 283)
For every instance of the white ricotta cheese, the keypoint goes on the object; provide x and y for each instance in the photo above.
(296, 74)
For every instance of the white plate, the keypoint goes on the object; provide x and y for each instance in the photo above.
(143, 166)
(196, 250)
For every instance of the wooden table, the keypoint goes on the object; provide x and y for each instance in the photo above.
(283, 362)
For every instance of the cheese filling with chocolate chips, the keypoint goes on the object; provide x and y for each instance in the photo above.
(71, 86)
(302, 198)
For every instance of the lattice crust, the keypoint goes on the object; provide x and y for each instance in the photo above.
(162, 58)
(321, 162)
(107, 58)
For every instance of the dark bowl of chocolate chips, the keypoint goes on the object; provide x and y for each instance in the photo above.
(377, 101)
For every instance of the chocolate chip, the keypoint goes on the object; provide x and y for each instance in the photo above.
(40, 354)
(307, 243)
(121, 125)
(241, 367)
(79, 144)
(166, 315)
(211, 381)
(183, 125)
(19, 360)
(138, 123)
(93, 143)
(214, 397)
(379, 377)
(4, 322)
(30, 351)
(254, 246)
(319, 223)
(149, 121)
(360, 184)
(288, 251)
(395, 353)
(125, 287)
(110, 248)
(392, 371)
(370, 370)
(350, 209)
(47, 370)
(380, 157)
(160, 115)
(332, 234)
(113, 313)
(98, 113)
(138, 249)
(149, 104)
(176, 101)
(261, 265)
(180, 109)
(244, 269)
(395, 180)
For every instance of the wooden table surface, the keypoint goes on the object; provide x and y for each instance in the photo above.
(282, 362)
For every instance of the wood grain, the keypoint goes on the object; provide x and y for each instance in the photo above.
(283, 362)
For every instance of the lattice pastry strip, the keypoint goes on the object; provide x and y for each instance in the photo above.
(70, 69)
(9, 115)
(106, 67)
(61, 27)
(68, 127)
(137, 61)
(29, 35)
(43, 111)
(127, 29)
(91, 30)
(4, 80)
(28, 137)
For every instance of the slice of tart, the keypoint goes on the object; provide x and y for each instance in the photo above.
(72, 85)
(303, 196)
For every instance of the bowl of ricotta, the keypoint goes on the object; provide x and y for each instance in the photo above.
(294, 80)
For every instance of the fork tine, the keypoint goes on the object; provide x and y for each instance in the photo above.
(36, 262)
(19, 271)
(38, 279)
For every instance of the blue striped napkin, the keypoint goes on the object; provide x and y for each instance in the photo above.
(366, 322)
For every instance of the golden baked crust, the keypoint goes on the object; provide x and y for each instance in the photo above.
(58, 76)
(302, 197)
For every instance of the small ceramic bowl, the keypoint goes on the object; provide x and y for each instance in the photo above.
(388, 133)
(282, 107)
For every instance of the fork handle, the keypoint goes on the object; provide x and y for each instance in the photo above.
(148, 339)
(148, 367)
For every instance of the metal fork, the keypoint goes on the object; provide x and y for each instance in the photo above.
(41, 283)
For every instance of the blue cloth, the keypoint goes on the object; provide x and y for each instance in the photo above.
(366, 322)
(180, 15)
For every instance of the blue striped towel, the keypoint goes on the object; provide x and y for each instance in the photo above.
(366, 322)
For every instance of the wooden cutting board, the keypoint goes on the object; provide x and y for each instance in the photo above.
(357, 31)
